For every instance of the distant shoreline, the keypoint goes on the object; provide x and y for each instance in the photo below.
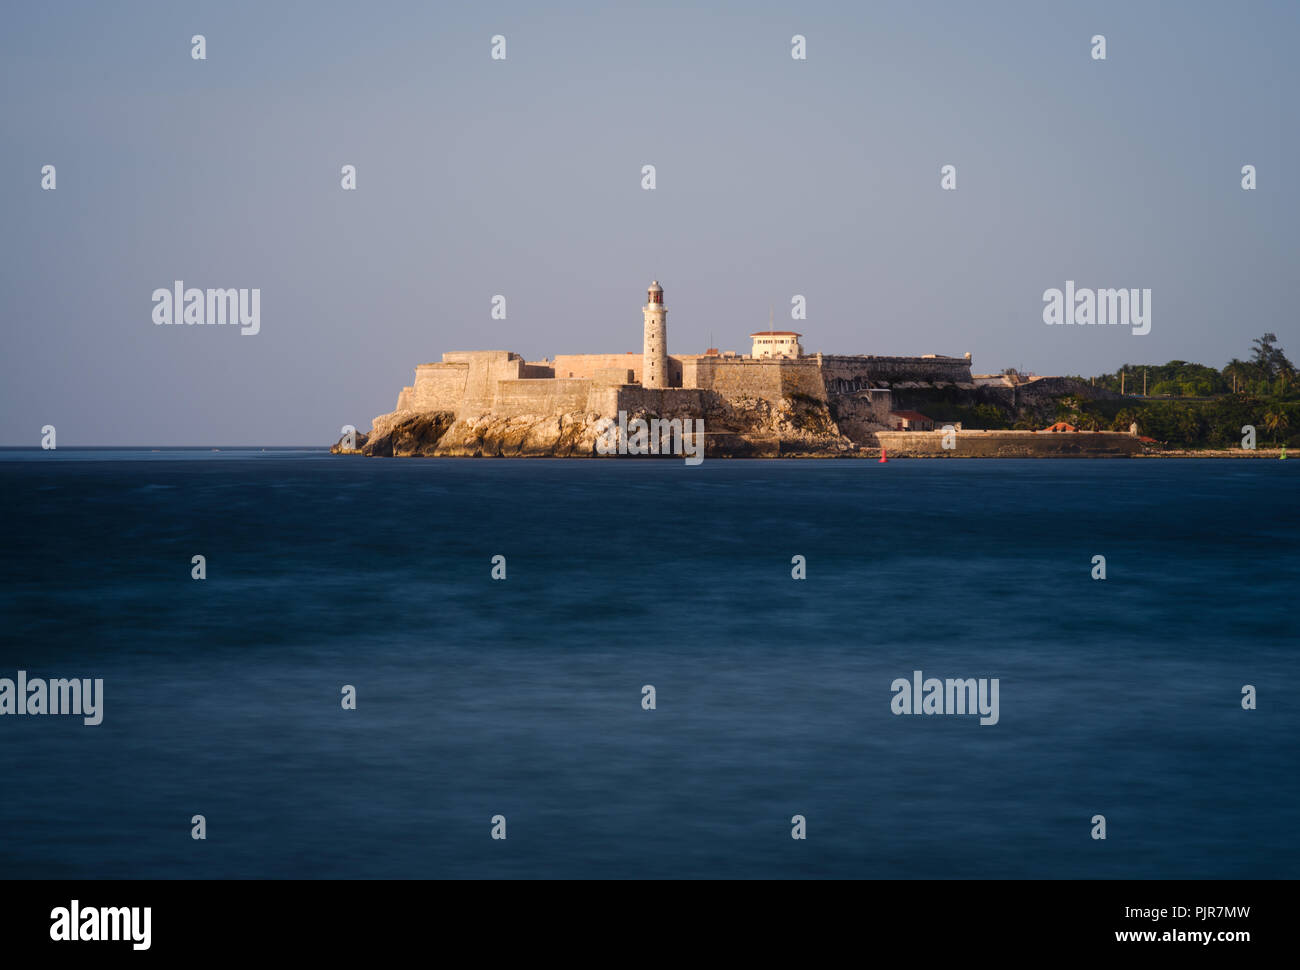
(1274, 453)
(861, 454)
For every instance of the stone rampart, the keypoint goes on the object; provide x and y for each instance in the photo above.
(770, 379)
(586, 366)
(852, 373)
(539, 397)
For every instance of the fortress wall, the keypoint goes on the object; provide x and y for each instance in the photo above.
(613, 375)
(690, 371)
(801, 377)
(466, 380)
(484, 368)
(437, 387)
(540, 397)
(602, 399)
(770, 379)
(585, 366)
(869, 371)
(1011, 444)
(671, 402)
(471, 383)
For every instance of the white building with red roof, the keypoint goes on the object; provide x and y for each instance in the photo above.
(776, 343)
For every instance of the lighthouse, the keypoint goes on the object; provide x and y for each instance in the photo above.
(654, 362)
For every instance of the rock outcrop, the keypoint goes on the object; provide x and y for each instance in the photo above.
(352, 445)
(740, 427)
(404, 433)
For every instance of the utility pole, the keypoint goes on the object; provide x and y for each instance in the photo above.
(1144, 382)
(1121, 383)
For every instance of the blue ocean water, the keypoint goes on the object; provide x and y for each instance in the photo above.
(522, 697)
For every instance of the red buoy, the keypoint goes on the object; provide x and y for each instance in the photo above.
(883, 457)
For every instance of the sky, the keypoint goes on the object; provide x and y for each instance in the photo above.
(522, 177)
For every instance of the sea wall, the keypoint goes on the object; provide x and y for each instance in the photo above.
(1010, 444)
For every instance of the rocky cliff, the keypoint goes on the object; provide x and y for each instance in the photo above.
(733, 427)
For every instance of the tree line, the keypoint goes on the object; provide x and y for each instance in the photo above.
(1193, 405)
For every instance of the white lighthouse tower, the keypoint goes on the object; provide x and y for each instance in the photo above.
(654, 362)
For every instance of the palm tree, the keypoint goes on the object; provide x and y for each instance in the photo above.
(1275, 421)
(1237, 371)
(1285, 373)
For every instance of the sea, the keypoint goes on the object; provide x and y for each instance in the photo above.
(508, 695)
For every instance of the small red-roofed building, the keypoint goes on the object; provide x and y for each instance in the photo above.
(911, 421)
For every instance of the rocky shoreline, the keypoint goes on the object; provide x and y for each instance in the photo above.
(440, 434)
(735, 428)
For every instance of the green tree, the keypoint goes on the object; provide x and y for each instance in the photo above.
(1269, 358)
(1124, 418)
(1238, 374)
(1276, 421)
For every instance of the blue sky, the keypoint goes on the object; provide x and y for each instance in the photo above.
(522, 177)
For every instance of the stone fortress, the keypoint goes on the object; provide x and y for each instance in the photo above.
(776, 400)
